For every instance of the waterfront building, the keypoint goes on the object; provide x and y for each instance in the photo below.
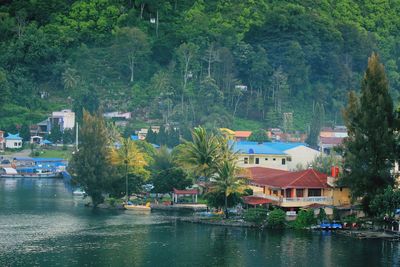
(294, 190)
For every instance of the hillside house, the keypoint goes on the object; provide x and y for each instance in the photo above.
(275, 155)
(13, 141)
(2, 141)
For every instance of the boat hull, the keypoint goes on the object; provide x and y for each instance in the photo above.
(137, 207)
(31, 175)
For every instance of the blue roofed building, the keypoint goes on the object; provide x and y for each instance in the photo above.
(275, 155)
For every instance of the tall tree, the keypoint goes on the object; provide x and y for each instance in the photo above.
(130, 159)
(90, 166)
(369, 151)
(227, 180)
(316, 124)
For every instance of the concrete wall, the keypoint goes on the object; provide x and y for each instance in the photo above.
(13, 143)
(266, 161)
(301, 155)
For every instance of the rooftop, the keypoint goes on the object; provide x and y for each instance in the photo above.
(331, 140)
(269, 148)
(242, 134)
(300, 179)
(13, 137)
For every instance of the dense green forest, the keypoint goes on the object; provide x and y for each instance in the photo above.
(225, 63)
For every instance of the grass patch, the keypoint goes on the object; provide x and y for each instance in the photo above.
(64, 154)
(246, 124)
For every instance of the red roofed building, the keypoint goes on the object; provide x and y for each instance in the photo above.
(292, 190)
(242, 135)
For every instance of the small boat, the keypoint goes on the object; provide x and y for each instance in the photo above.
(79, 192)
(325, 225)
(131, 206)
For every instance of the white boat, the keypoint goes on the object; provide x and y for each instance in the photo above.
(79, 192)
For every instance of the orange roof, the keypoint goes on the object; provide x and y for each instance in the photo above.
(185, 192)
(252, 200)
(244, 134)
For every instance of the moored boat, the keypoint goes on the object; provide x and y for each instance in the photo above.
(131, 206)
(13, 173)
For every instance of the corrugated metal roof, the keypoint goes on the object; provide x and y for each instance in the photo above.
(270, 148)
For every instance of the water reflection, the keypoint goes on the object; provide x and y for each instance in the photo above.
(42, 224)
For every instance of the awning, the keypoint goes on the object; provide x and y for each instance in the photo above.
(10, 171)
(185, 192)
(253, 200)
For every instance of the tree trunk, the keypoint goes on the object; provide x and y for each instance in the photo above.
(226, 206)
(141, 10)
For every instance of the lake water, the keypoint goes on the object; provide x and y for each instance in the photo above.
(42, 224)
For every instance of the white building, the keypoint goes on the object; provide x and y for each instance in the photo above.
(2, 141)
(64, 118)
(274, 155)
(13, 141)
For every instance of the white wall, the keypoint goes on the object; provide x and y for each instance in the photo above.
(301, 154)
(13, 143)
(266, 161)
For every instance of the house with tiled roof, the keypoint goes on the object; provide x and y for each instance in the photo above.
(294, 190)
(235, 135)
(13, 141)
(331, 137)
(276, 155)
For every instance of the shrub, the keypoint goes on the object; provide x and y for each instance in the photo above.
(322, 215)
(256, 215)
(305, 218)
(276, 219)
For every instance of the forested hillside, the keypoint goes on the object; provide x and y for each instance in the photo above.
(189, 61)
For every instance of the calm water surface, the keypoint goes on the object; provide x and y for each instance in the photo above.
(42, 224)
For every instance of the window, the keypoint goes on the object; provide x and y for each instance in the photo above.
(314, 192)
(300, 192)
(15, 144)
(274, 159)
(266, 158)
(257, 161)
(246, 160)
(283, 161)
(289, 159)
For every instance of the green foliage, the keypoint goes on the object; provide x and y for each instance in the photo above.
(186, 67)
(369, 151)
(166, 180)
(316, 124)
(323, 163)
(305, 218)
(321, 215)
(386, 203)
(55, 134)
(259, 135)
(90, 166)
(276, 219)
(256, 215)
(216, 199)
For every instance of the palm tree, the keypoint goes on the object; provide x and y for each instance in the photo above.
(202, 154)
(130, 157)
(228, 181)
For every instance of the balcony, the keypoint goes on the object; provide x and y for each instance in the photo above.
(297, 201)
